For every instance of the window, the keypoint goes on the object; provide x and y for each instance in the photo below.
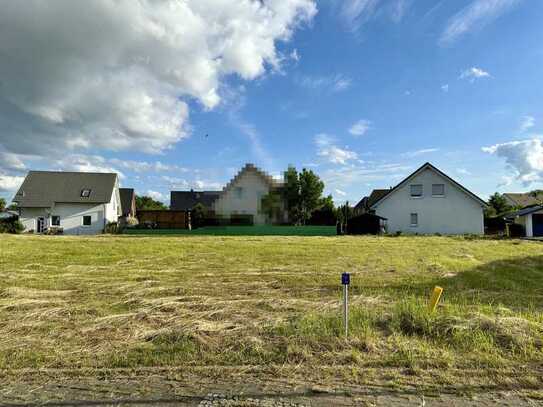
(438, 189)
(86, 220)
(416, 191)
(414, 219)
(55, 220)
(85, 193)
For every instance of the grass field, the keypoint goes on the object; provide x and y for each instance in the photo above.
(197, 301)
(265, 230)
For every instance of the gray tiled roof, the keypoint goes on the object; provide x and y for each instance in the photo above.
(186, 200)
(41, 189)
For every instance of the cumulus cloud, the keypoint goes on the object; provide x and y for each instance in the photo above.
(10, 183)
(332, 153)
(360, 128)
(473, 74)
(524, 158)
(445, 88)
(117, 75)
(157, 196)
(474, 16)
(340, 192)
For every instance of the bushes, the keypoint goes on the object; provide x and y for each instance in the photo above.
(11, 226)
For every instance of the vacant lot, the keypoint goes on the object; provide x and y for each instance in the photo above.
(269, 307)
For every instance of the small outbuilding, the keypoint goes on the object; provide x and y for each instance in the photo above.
(531, 219)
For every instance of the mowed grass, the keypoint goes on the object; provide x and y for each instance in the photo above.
(131, 301)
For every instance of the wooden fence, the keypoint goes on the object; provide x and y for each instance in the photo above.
(164, 219)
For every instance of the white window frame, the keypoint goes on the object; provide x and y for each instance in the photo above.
(83, 221)
(411, 191)
(438, 195)
(413, 225)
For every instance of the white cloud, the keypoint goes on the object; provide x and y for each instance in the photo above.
(10, 161)
(340, 192)
(527, 123)
(116, 75)
(463, 171)
(85, 163)
(360, 127)
(445, 88)
(157, 196)
(334, 83)
(332, 153)
(416, 153)
(356, 13)
(144, 166)
(10, 183)
(474, 16)
(524, 158)
(474, 73)
(294, 55)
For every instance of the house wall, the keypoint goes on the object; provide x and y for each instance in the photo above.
(253, 189)
(71, 216)
(454, 213)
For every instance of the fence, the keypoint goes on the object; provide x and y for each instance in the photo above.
(164, 219)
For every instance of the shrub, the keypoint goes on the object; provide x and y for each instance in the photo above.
(112, 227)
(11, 226)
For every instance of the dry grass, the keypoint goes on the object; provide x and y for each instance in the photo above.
(115, 302)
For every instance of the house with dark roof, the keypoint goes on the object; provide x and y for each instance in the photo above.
(365, 203)
(241, 196)
(428, 201)
(76, 202)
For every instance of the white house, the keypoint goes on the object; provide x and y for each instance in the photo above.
(241, 196)
(427, 202)
(80, 203)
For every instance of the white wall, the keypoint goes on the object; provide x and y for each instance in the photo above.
(455, 213)
(253, 189)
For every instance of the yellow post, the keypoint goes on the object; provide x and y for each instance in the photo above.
(434, 299)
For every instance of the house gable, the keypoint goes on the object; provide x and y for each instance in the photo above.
(409, 179)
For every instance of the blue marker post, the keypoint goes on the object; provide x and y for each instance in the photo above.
(345, 281)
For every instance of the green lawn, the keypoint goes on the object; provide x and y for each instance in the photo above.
(136, 301)
(241, 231)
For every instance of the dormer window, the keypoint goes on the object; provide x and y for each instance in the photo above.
(85, 193)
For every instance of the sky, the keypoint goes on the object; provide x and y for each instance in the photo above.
(180, 94)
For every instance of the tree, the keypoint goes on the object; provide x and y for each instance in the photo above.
(198, 215)
(311, 188)
(497, 205)
(291, 194)
(146, 202)
(325, 214)
(271, 206)
(2, 204)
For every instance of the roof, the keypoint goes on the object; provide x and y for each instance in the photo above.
(524, 199)
(525, 211)
(127, 195)
(272, 183)
(42, 189)
(418, 171)
(376, 195)
(186, 200)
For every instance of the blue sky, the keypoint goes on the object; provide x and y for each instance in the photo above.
(361, 91)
